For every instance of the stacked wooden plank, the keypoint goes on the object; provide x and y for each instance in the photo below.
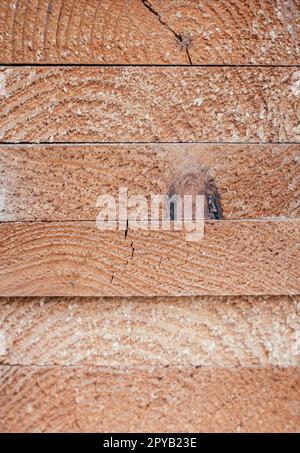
(142, 330)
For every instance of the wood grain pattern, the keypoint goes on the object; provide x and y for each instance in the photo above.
(70, 104)
(75, 258)
(235, 32)
(149, 32)
(59, 399)
(227, 357)
(64, 182)
(199, 331)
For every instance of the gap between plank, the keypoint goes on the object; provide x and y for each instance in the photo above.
(101, 65)
(4, 144)
(141, 367)
(258, 220)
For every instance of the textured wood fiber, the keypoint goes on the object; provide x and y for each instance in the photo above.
(149, 32)
(207, 331)
(64, 182)
(88, 104)
(76, 258)
(140, 364)
(235, 32)
(64, 399)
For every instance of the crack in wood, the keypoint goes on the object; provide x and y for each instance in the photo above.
(184, 40)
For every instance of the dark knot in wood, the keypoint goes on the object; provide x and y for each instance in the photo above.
(194, 183)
